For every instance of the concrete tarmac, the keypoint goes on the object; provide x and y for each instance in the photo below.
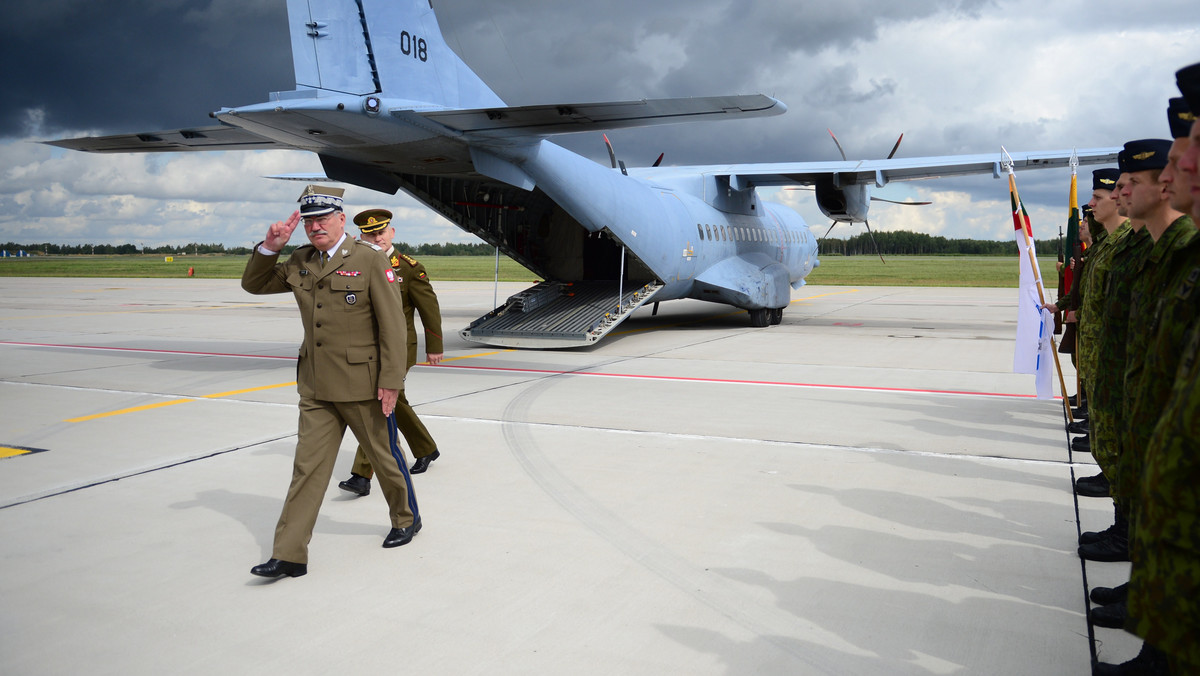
(863, 489)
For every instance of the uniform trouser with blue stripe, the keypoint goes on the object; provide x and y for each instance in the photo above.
(420, 441)
(322, 426)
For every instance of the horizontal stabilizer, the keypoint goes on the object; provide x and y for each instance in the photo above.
(573, 118)
(221, 137)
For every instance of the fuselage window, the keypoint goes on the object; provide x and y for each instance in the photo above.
(724, 234)
(707, 232)
(701, 229)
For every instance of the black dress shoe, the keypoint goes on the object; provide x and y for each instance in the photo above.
(275, 568)
(1093, 487)
(1080, 413)
(1078, 427)
(1106, 596)
(1081, 444)
(421, 464)
(401, 536)
(356, 484)
(1111, 616)
(1112, 548)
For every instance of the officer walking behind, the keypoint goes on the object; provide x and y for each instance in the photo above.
(350, 371)
(418, 296)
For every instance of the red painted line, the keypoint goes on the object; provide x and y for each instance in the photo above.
(727, 381)
(504, 369)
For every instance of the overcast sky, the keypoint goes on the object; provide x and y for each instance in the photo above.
(955, 76)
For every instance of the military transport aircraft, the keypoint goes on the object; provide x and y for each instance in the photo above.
(387, 105)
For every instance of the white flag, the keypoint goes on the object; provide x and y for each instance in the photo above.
(1029, 315)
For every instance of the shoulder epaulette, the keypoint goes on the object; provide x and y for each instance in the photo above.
(409, 259)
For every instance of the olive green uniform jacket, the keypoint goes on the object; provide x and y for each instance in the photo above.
(354, 344)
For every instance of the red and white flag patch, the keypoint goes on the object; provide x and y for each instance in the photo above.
(391, 276)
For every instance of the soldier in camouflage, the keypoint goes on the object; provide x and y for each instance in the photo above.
(1107, 404)
(1164, 587)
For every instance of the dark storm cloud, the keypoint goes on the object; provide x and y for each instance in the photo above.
(140, 65)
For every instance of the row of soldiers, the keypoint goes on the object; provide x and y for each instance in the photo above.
(1137, 308)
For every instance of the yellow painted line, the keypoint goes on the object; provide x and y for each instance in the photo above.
(251, 389)
(14, 451)
(123, 411)
(469, 356)
(172, 402)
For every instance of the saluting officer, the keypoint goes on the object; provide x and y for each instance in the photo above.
(419, 297)
(350, 371)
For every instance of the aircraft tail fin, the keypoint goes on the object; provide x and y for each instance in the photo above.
(393, 48)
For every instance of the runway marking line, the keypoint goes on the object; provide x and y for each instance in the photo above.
(14, 451)
(172, 402)
(724, 381)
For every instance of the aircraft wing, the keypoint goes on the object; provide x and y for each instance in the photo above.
(881, 172)
(571, 118)
(220, 137)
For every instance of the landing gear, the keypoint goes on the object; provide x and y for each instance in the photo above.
(763, 317)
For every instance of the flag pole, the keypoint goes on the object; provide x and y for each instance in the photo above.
(1026, 227)
(1074, 201)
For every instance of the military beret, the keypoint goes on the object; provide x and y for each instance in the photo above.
(1188, 80)
(1105, 179)
(1143, 155)
(1180, 117)
(318, 200)
(373, 220)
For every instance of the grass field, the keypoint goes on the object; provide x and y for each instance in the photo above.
(989, 271)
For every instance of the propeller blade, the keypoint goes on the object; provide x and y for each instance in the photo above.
(659, 160)
(836, 142)
(829, 230)
(895, 147)
(612, 156)
(910, 204)
(868, 223)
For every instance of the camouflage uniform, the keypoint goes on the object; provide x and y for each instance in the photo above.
(1164, 585)
(1106, 408)
(1090, 285)
(1159, 316)
(1074, 300)
(1093, 328)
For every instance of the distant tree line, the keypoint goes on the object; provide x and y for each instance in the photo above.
(891, 243)
(901, 242)
(50, 249)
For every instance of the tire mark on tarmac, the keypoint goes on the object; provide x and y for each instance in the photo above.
(766, 623)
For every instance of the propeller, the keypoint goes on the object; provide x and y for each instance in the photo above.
(612, 157)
